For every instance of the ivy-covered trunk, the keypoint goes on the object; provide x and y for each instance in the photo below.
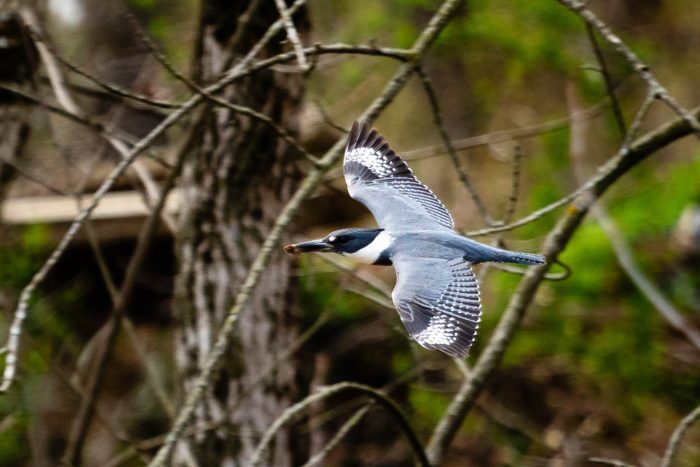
(234, 186)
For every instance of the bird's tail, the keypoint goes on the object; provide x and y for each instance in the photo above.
(476, 252)
(520, 258)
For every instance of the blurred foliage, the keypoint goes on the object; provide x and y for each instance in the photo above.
(20, 264)
(610, 346)
(593, 356)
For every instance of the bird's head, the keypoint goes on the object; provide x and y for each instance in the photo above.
(345, 242)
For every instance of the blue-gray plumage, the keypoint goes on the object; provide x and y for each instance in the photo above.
(436, 293)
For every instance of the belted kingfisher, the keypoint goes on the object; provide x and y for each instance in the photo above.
(436, 292)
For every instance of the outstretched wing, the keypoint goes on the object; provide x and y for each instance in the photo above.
(381, 180)
(438, 301)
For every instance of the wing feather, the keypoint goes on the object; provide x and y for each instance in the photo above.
(438, 302)
(377, 177)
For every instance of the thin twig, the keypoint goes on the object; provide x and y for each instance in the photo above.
(328, 120)
(640, 67)
(607, 79)
(652, 293)
(111, 88)
(675, 440)
(606, 461)
(339, 436)
(361, 275)
(12, 347)
(90, 123)
(65, 99)
(456, 161)
(514, 184)
(292, 34)
(555, 242)
(315, 177)
(535, 215)
(294, 347)
(124, 300)
(622, 251)
(346, 387)
(236, 108)
(151, 374)
(32, 178)
(639, 117)
(504, 135)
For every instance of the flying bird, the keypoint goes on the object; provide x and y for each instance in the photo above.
(436, 292)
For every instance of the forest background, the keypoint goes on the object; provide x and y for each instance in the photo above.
(168, 326)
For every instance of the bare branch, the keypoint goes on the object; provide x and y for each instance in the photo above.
(64, 97)
(555, 242)
(91, 124)
(151, 375)
(677, 435)
(535, 215)
(638, 119)
(342, 433)
(640, 67)
(314, 178)
(622, 251)
(609, 88)
(32, 178)
(652, 293)
(345, 387)
(292, 34)
(13, 340)
(110, 88)
(124, 300)
(504, 135)
(456, 161)
(236, 108)
(515, 184)
(606, 461)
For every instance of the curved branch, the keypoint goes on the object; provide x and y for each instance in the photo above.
(342, 433)
(554, 244)
(456, 162)
(678, 433)
(241, 69)
(352, 388)
(315, 177)
(640, 67)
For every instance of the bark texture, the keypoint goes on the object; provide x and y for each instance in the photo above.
(234, 187)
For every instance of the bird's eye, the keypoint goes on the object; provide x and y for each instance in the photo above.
(341, 240)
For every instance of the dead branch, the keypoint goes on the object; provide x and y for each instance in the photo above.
(623, 253)
(292, 34)
(456, 161)
(345, 387)
(11, 349)
(675, 440)
(624, 256)
(554, 244)
(124, 300)
(315, 177)
(639, 67)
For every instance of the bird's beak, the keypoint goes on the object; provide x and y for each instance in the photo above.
(307, 247)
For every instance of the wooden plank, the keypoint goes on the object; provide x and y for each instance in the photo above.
(63, 209)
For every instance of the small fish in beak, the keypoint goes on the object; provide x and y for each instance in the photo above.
(308, 247)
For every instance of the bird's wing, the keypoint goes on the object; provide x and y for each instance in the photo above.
(438, 301)
(378, 178)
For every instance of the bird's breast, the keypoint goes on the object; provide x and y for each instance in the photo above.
(375, 252)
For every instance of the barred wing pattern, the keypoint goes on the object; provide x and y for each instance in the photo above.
(378, 178)
(438, 301)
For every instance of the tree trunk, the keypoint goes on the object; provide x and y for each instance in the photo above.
(237, 181)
